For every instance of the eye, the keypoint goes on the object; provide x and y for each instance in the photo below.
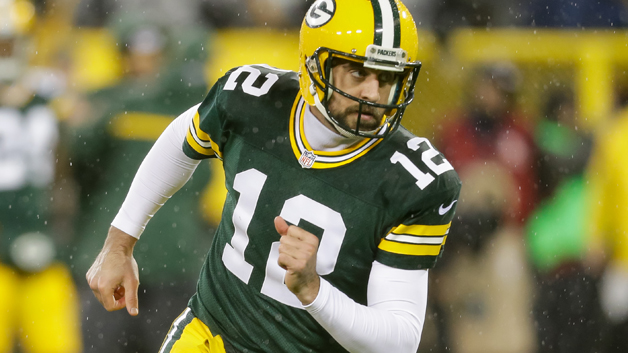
(387, 78)
(358, 72)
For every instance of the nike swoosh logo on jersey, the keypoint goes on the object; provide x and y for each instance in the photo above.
(442, 210)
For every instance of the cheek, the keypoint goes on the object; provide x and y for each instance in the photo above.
(333, 105)
(384, 94)
(338, 102)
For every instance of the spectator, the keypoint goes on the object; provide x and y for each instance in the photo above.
(492, 132)
(493, 151)
(122, 123)
(566, 309)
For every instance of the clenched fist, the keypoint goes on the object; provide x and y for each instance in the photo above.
(297, 255)
(114, 277)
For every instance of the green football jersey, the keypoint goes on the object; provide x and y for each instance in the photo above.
(389, 200)
(29, 137)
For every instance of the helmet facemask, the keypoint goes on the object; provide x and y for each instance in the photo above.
(319, 68)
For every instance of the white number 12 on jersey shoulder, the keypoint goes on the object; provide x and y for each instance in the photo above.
(422, 179)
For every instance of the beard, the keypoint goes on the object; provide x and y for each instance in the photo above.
(346, 118)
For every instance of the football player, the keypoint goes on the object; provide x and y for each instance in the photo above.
(39, 306)
(334, 212)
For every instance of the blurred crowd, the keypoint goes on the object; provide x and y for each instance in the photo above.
(536, 260)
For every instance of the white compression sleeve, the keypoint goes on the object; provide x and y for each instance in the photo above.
(392, 321)
(163, 172)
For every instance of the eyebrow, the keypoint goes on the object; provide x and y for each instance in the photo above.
(355, 65)
(341, 61)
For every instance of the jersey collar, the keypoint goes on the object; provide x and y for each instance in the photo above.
(310, 158)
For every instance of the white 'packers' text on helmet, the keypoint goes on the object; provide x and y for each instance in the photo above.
(380, 34)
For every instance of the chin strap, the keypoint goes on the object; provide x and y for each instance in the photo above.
(342, 131)
(321, 108)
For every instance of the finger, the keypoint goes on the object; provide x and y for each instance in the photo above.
(290, 251)
(131, 298)
(118, 297)
(302, 235)
(93, 285)
(107, 298)
(97, 295)
(282, 261)
(281, 226)
(118, 293)
(300, 240)
(289, 241)
(287, 262)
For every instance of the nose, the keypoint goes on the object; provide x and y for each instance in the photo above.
(370, 89)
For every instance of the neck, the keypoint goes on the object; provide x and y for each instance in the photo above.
(317, 113)
(321, 135)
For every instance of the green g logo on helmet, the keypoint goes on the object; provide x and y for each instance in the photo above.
(320, 13)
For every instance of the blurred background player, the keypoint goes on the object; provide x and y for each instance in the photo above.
(162, 77)
(38, 301)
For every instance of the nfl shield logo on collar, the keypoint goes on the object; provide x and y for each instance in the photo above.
(307, 159)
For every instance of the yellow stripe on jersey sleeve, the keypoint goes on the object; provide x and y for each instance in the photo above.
(199, 140)
(409, 249)
(204, 151)
(416, 229)
(417, 240)
(216, 149)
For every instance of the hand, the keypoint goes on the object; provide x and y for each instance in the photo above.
(113, 277)
(297, 255)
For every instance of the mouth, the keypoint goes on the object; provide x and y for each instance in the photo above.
(368, 120)
(365, 116)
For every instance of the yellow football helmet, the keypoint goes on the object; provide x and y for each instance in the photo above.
(381, 34)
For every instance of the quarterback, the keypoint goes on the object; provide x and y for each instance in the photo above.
(334, 213)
